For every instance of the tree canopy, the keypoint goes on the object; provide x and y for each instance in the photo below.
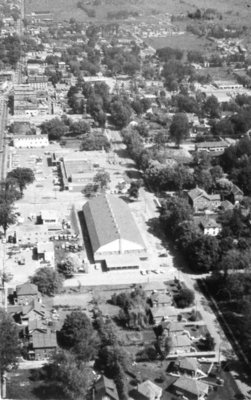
(9, 346)
(23, 177)
(77, 334)
(48, 280)
(179, 129)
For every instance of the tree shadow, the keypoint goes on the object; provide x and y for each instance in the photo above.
(133, 173)
(86, 238)
(49, 391)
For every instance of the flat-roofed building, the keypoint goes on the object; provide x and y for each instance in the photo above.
(45, 251)
(29, 141)
(76, 172)
(112, 229)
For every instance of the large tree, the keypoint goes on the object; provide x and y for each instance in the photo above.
(95, 141)
(179, 128)
(48, 280)
(120, 113)
(203, 253)
(7, 215)
(55, 129)
(72, 378)
(23, 177)
(102, 179)
(173, 212)
(8, 191)
(77, 334)
(9, 346)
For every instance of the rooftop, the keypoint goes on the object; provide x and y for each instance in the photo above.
(109, 218)
(105, 387)
(189, 385)
(44, 340)
(26, 289)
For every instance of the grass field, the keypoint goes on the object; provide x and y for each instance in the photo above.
(235, 11)
(183, 42)
(23, 384)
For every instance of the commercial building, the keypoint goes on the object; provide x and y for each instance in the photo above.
(113, 232)
(29, 141)
(76, 172)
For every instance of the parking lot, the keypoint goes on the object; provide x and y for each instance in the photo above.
(46, 194)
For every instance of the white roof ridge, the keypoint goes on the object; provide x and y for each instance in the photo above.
(112, 213)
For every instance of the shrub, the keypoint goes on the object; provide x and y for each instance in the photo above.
(184, 298)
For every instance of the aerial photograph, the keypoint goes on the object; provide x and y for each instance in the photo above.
(125, 200)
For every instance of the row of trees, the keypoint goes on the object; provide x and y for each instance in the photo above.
(236, 161)
(80, 342)
(228, 252)
(11, 190)
(99, 102)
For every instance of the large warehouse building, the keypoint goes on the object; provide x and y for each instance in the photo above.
(113, 233)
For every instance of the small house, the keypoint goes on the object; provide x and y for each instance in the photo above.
(42, 345)
(105, 389)
(209, 226)
(146, 390)
(27, 292)
(180, 343)
(190, 388)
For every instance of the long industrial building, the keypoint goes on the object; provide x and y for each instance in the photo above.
(114, 235)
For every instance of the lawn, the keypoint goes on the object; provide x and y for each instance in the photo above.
(22, 385)
(184, 42)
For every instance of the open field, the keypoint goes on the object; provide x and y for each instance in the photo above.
(184, 42)
(235, 11)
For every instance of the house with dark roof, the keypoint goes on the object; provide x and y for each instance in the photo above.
(209, 226)
(27, 292)
(236, 195)
(111, 227)
(181, 344)
(189, 366)
(192, 389)
(200, 200)
(42, 345)
(146, 390)
(212, 147)
(105, 389)
(24, 313)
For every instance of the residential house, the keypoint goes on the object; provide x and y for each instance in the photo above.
(160, 314)
(34, 310)
(200, 200)
(188, 366)
(175, 328)
(236, 195)
(212, 147)
(191, 389)
(27, 292)
(105, 389)
(159, 299)
(42, 345)
(146, 390)
(226, 205)
(152, 287)
(209, 226)
(181, 344)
